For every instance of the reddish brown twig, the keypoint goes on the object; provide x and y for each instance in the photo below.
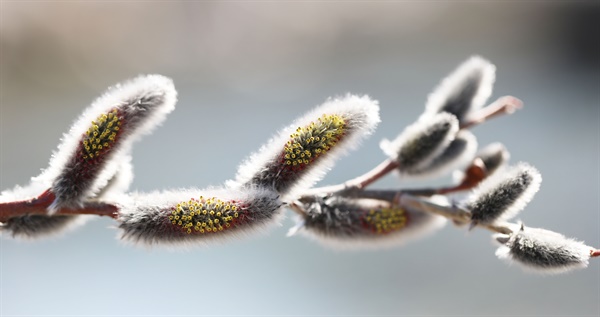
(39, 206)
(359, 182)
(474, 174)
(502, 105)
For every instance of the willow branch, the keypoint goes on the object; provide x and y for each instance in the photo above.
(359, 182)
(39, 206)
(502, 105)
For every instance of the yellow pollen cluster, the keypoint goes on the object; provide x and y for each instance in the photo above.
(308, 142)
(204, 215)
(101, 134)
(385, 220)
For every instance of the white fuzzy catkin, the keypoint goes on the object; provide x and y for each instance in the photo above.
(543, 251)
(301, 154)
(464, 90)
(422, 142)
(120, 182)
(501, 196)
(87, 158)
(345, 223)
(458, 154)
(219, 214)
(33, 227)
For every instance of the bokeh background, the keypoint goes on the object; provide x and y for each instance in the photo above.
(244, 70)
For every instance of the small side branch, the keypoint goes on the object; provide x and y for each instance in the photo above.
(358, 183)
(502, 105)
(39, 206)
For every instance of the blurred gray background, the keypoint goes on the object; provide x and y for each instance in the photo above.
(244, 70)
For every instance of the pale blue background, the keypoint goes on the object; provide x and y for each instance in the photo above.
(245, 69)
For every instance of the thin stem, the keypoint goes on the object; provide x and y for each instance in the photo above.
(459, 215)
(502, 105)
(39, 206)
(474, 174)
(359, 182)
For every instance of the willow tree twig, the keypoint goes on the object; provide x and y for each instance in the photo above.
(39, 206)
(502, 105)
(359, 182)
